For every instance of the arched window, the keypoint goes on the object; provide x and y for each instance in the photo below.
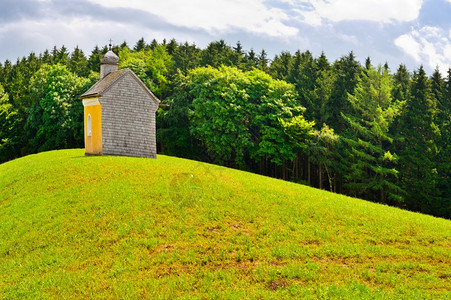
(89, 125)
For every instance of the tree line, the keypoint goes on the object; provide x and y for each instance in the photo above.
(360, 130)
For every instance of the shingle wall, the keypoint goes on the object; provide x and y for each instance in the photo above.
(128, 120)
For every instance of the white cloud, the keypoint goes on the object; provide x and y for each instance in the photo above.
(25, 36)
(409, 45)
(213, 16)
(384, 11)
(429, 45)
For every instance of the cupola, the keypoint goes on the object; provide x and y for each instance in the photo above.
(108, 63)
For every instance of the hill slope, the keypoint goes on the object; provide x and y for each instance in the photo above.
(76, 226)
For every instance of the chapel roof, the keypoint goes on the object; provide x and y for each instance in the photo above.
(101, 86)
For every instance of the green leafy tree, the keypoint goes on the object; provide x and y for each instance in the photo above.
(237, 115)
(159, 65)
(10, 128)
(270, 103)
(56, 116)
(218, 113)
(322, 151)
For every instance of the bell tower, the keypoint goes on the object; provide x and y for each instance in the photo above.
(108, 63)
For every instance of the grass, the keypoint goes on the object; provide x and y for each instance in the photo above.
(117, 227)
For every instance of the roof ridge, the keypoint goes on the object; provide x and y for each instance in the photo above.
(105, 83)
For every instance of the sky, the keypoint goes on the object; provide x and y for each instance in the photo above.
(411, 32)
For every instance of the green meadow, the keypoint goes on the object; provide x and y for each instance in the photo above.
(118, 227)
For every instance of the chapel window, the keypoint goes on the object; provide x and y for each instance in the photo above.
(89, 125)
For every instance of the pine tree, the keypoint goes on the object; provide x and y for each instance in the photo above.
(280, 66)
(238, 55)
(347, 71)
(417, 148)
(251, 60)
(94, 59)
(140, 45)
(78, 64)
(370, 170)
(216, 54)
(442, 91)
(263, 61)
(185, 57)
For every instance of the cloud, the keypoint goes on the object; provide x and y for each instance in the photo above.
(214, 16)
(384, 11)
(430, 45)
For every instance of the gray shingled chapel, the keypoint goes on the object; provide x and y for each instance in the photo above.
(119, 113)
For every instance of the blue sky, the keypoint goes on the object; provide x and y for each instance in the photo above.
(413, 32)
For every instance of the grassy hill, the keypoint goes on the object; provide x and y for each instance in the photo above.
(116, 227)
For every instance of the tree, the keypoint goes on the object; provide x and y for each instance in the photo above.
(441, 89)
(279, 66)
(263, 61)
(140, 45)
(237, 115)
(185, 57)
(321, 150)
(347, 71)
(159, 63)
(238, 55)
(55, 119)
(173, 134)
(250, 60)
(78, 63)
(94, 59)
(417, 148)
(10, 128)
(370, 170)
(217, 54)
(218, 113)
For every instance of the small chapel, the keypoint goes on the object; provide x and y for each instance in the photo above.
(119, 113)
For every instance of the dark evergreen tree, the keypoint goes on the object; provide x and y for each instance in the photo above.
(280, 66)
(153, 44)
(94, 59)
(62, 56)
(347, 70)
(217, 54)
(238, 56)
(140, 45)
(442, 92)
(78, 63)
(172, 46)
(263, 61)
(417, 148)
(46, 57)
(250, 60)
(185, 57)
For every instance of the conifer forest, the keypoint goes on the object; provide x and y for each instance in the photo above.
(364, 130)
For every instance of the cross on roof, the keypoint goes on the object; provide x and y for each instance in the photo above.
(110, 43)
